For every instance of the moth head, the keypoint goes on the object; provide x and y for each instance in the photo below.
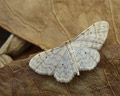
(66, 42)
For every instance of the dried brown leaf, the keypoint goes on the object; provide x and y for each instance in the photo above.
(17, 79)
(35, 22)
(48, 23)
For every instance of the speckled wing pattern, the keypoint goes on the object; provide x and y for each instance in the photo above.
(94, 36)
(55, 62)
(77, 55)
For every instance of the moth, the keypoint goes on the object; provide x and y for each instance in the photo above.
(80, 54)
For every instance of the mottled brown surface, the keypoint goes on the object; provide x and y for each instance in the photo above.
(35, 22)
(18, 79)
(45, 22)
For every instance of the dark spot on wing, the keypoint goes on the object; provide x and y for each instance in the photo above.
(82, 33)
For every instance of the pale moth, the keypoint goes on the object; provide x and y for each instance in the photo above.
(77, 55)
